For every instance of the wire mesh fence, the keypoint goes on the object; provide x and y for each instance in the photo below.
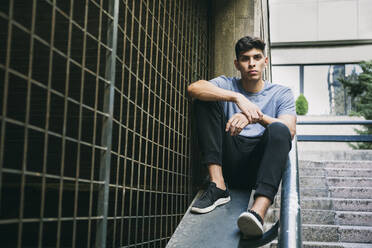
(94, 119)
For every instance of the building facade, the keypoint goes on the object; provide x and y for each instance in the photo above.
(95, 122)
(315, 42)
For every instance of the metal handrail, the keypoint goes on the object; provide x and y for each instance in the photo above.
(290, 208)
(335, 138)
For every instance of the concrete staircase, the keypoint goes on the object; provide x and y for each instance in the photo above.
(336, 201)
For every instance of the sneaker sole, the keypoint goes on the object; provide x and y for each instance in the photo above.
(249, 225)
(217, 203)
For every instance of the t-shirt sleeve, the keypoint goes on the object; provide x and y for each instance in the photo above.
(286, 104)
(222, 82)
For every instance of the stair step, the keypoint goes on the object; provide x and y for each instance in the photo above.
(323, 182)
(308, 216)
(309, 244)
(332, 233)
(327, 217)
(338, 192)
(351, 192)
(353, 218)
(311, 216)
(314, 192)
(310, 181)
(360, 234)
(337, 204)
(349, 182)
(316, 244)
(348, 172)
(336, 164)
(335, 155)
(335, 172)
(312, 171)
(327, 233)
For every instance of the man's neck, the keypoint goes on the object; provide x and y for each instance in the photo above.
(252, 86)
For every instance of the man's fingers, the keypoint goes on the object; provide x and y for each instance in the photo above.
(249, 116)
(228, 124)
(232, 130)
(233, 125)
(237, 123)
(242, 124)
(234, 121)
(237, 127)
(260, 114)
(255, 116)
(238, 130)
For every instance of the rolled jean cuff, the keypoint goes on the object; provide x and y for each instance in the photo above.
(263, 189)
(212, 158)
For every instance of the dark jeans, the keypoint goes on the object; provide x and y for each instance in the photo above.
(256, 162)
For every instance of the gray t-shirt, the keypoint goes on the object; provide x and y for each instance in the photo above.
(274, 100)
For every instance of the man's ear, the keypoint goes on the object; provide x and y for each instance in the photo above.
(236, 64)
(266, 60)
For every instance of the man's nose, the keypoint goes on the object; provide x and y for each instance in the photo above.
(251, 62)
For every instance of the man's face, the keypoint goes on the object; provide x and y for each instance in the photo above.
(251, 64)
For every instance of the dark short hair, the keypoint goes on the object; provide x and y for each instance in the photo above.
(247, 43)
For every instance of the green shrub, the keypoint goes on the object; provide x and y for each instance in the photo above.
(301, 105)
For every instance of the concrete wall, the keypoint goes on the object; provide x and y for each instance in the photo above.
(231, 20)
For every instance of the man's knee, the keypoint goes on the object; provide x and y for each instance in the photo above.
(202, 106)
(279, 130)
(198, 102)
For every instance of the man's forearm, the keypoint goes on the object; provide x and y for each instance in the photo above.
(206, 91)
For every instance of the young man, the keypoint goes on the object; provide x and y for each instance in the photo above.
(245, 126)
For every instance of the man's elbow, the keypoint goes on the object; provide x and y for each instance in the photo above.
(293, 132)
(192, 88)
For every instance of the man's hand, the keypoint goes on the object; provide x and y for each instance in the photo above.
(249, 109)
(236, 124)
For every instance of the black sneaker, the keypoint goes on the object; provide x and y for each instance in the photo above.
(250, 224)
(210, 199)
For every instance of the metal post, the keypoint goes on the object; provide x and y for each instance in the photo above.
(301, 79)
(107, 126)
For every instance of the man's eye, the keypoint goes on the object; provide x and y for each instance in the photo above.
(257, 57)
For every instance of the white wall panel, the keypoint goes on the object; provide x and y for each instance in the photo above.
(338, 20)
(310, 55)
(313, 20)
(365, 19)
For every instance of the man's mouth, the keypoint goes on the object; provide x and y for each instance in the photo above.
(253, 72)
